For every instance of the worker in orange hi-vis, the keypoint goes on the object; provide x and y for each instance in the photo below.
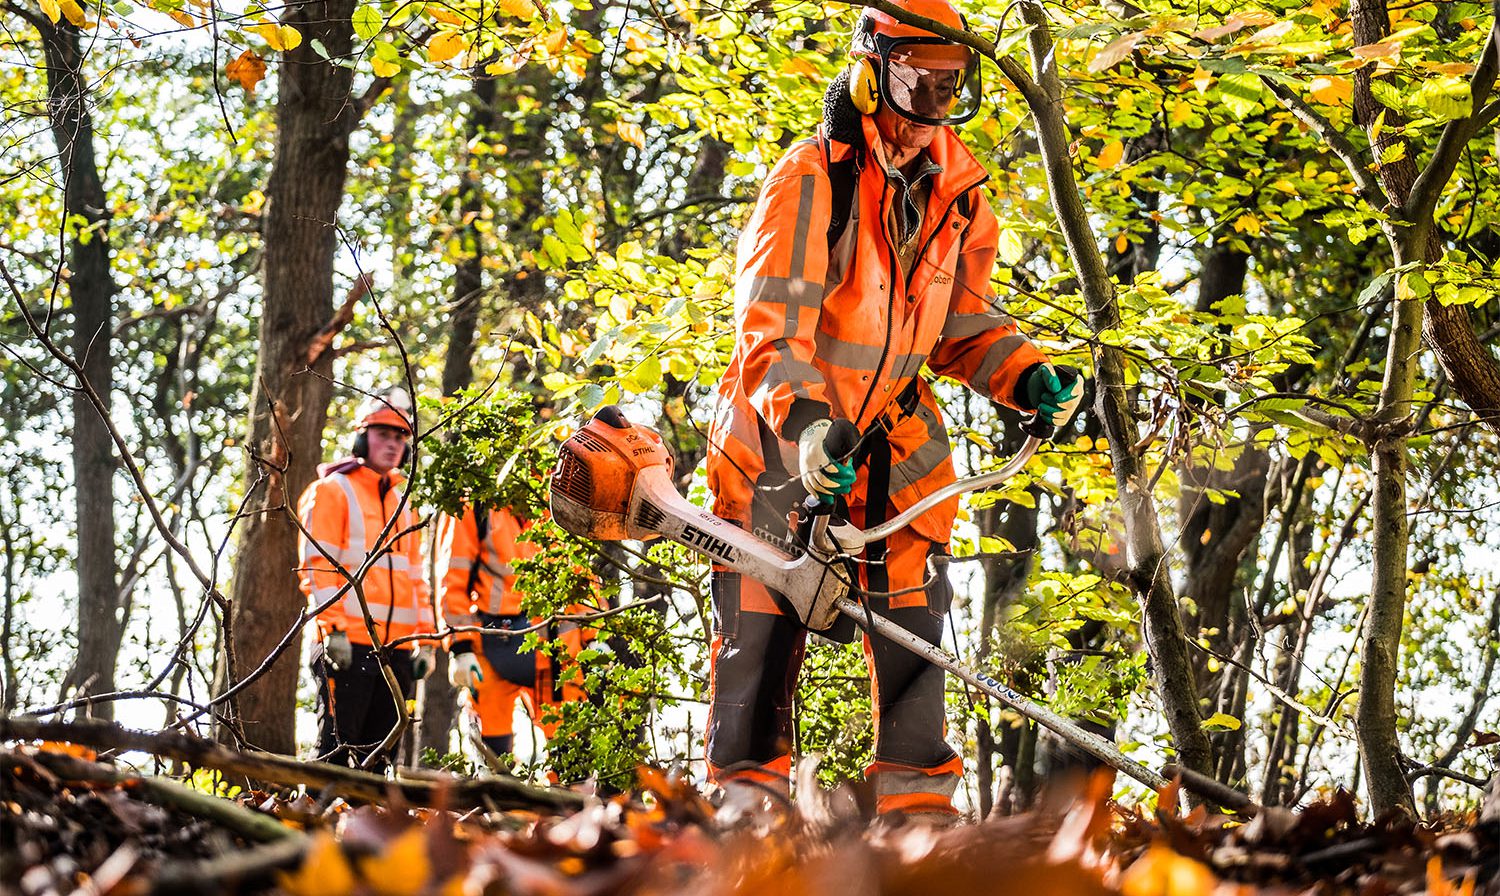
(869, 255)
(475, 554)
(345, 513)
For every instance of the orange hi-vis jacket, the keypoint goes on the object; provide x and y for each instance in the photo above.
(494, 588)
(344, 512)
(842, 332)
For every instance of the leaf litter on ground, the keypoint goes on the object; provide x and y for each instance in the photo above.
(64, 833)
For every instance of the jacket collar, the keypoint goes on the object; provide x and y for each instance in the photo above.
(355, 468)
(960, 169)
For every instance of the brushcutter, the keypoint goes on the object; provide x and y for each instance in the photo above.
(613, 482)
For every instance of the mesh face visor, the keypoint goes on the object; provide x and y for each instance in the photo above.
(929, 80)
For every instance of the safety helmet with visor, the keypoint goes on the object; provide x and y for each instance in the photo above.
(922, 77)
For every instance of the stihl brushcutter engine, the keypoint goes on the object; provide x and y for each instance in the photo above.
(613, 482)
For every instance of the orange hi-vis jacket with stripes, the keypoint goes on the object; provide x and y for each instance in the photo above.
(494, 588)
(841, 332)
(344, 512)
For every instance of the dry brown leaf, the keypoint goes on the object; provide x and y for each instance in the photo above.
(248, 69)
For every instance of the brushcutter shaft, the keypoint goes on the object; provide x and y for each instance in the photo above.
(1087, 741)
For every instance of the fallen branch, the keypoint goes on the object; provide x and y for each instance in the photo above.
(169, 794)
(424, 788)
(1227, 797)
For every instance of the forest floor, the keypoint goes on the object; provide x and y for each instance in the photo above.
(72, 822)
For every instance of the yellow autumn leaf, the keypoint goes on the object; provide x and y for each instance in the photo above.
(402, 869)
(1122, 242)
(632, 133)
(556, 41)
(277, 37)
(1201, 80)
(325, 871)
(1181, 112)
(1110, 155)
(799, 66)
(521, 9)
(185, 19)
(52, 10)
(73, 13)
(637, 38)
(384, 68)
(444, 46)
(443, 14)
(1162, 872)
(1248, 223)
(1331, 90)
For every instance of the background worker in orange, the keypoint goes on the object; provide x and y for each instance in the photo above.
(344, 514)
(869, 254)
(478, 588)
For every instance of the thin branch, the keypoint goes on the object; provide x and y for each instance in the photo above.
(1369, 187)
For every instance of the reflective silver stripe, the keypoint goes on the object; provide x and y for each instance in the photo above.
(398, 562)
(804, 220)
(321, 596)
(894, 783)
(496, 597)
(793, 292)
(907, 366)
(358, 548)
(789, 370)
(461, 563)
(564, 627)
(457, 619)
(310, 550)
(929, 456)
(994, 358)
(849, 355)
(379, 611)
(959, 326)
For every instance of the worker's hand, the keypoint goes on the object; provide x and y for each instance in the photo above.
(822, 474)
(421, 662)
(1054, 392)
(463, 667)
(338, 653)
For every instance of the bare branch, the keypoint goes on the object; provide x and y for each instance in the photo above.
(1369, 188)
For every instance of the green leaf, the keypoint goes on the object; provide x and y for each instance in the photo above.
(1241, 93)
(367, 22)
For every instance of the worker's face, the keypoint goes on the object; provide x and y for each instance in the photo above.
(387, 444)
(903, 137)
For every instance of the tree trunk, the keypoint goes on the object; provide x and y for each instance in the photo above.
(1145, 551)
(101, 618)
(1376, 718)
(439, 699)
(289, 404)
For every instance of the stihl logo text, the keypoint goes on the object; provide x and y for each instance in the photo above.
(708, 543)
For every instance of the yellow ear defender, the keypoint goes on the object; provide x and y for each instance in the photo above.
(863, 89)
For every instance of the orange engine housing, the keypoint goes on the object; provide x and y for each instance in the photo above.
(596, 473)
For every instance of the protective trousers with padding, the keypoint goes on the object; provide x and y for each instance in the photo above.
(757, 656)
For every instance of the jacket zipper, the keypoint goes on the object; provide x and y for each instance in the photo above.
(890, 308)
(922, 252)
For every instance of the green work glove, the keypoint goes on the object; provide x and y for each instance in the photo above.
(1054, 392)
(463, 667)
(821, 474)
(421, 662)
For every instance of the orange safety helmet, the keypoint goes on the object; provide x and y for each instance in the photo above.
(925, 78)
(391, 407)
